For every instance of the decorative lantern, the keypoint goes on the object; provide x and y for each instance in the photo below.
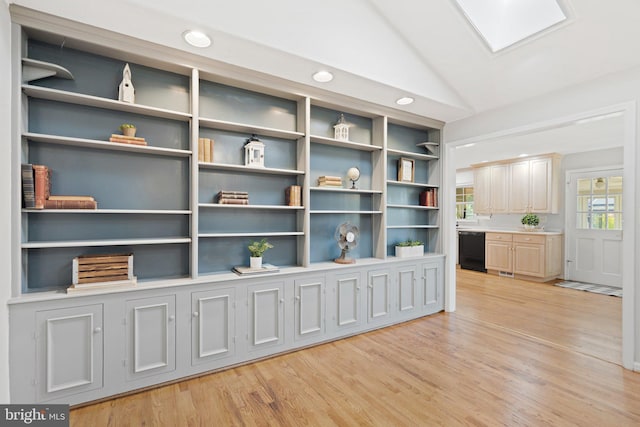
(341, 129)
(254, 153)
(126, 92)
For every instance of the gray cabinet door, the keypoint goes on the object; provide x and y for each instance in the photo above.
(70, 350)
(212, 325)
(266, 315)
(407, 303)
(379, 296)
(309, 308)
(346, 302)
(151, 336)
(432, 287)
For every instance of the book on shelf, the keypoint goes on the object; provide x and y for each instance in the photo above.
(28, 187)
(233, 195)
(205, 150)
(70, 204)
(123, 139)
(293, 196)
(429, 198)
(42, 185)
(246, 271)
(65, 197)
(329, 181)
(233, 201)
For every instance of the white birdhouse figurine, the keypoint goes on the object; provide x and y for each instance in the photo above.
(254, 153)
(341, 129)
(126, 92)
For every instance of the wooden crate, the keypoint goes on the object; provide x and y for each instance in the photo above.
(98, 269)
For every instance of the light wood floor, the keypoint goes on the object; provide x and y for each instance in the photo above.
(515, 354)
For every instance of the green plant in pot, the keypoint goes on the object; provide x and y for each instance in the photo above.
(409, 248)
(257, 249)
(530, 221)
(128, 129)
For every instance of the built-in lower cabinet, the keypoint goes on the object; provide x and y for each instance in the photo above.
(89, 347)
(69, 343)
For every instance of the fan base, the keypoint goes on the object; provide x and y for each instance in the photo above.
(345, 260)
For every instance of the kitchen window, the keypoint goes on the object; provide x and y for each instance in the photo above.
(464, 203)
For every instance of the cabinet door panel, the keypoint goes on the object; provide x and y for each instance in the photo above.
(379, 304)
(266, 311)
(213, 324)
(520, 185)
(498, 256)
(346, 301)
(482, 190)
(407, 289)
(151, 336)
(432, 287)
(541, 185)
(309, 309)
(500, 189)
(529, 259)
(72, 353)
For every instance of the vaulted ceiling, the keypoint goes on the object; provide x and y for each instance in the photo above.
(380, 50)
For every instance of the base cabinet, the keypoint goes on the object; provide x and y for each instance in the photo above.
(70, 344)
(89, 347)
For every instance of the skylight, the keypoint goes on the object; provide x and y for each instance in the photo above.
(502, 23)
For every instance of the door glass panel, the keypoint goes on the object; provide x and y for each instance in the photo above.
(599, 203)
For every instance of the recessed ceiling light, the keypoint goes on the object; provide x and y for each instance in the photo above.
(323, 76)
(405, 100)
(196, 38)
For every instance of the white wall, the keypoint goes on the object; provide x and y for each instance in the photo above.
(620, 91)
(5, 195)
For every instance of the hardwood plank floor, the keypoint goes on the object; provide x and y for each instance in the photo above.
(515, 353)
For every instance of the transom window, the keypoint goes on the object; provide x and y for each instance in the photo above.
(599, 204)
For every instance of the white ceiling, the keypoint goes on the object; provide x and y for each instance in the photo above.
(380, 50)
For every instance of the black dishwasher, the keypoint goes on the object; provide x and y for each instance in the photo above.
(471, 250)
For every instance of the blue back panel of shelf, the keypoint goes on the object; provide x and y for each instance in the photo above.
(78, 121)
(117, 180)
(425, 171)
(52, 268)
(81, 226)
(323, 244)
(222, 254)
(262, 189)
(221, 102)
(403, 195)
(336, 161)
(342, 201)
(396, 235)
(405, 138)
(404, 216)
(100, 76)
(246, 221)
(228, 148)
(323, 120)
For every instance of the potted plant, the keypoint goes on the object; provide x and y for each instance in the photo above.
(257, 249)
(128, 129)
(409, 248)
(530, 221)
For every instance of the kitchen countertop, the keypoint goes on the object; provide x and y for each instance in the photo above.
(510, 230)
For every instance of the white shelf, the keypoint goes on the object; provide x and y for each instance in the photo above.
(261, 207)
(412, 226)
(344, 144)
(95, 101)
(105, 145)
(110, 211)
(427, 208)
(345, 190)
(249, 129)
(265, 234)
(412, 154)
(241, 168)
(411, 184)
(32, 69)
(106, 242)
(338, 211)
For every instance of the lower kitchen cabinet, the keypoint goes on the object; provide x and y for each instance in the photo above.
(70, 344)
(81, 348)
(213, 317)
(151, 336)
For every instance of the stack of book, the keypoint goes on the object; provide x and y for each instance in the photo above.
(70, 202)
(91, 272)
(205, 150)
(329, 181)
(429, 198)
(232, 197)
(122, 139)
(292, 196)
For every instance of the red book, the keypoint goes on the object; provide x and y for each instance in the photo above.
(70, 204)
(42, 184)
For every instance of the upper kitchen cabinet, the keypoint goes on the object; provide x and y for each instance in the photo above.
(518, 185)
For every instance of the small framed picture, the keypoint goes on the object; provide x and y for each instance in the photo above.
(406, 169)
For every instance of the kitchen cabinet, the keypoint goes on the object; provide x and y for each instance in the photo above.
(491, 188)
(346, 301)
(378, 297)
(266, 315)
(212, 325)
(532, 256)
(309, 308)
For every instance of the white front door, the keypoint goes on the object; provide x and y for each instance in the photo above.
(594, 227)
